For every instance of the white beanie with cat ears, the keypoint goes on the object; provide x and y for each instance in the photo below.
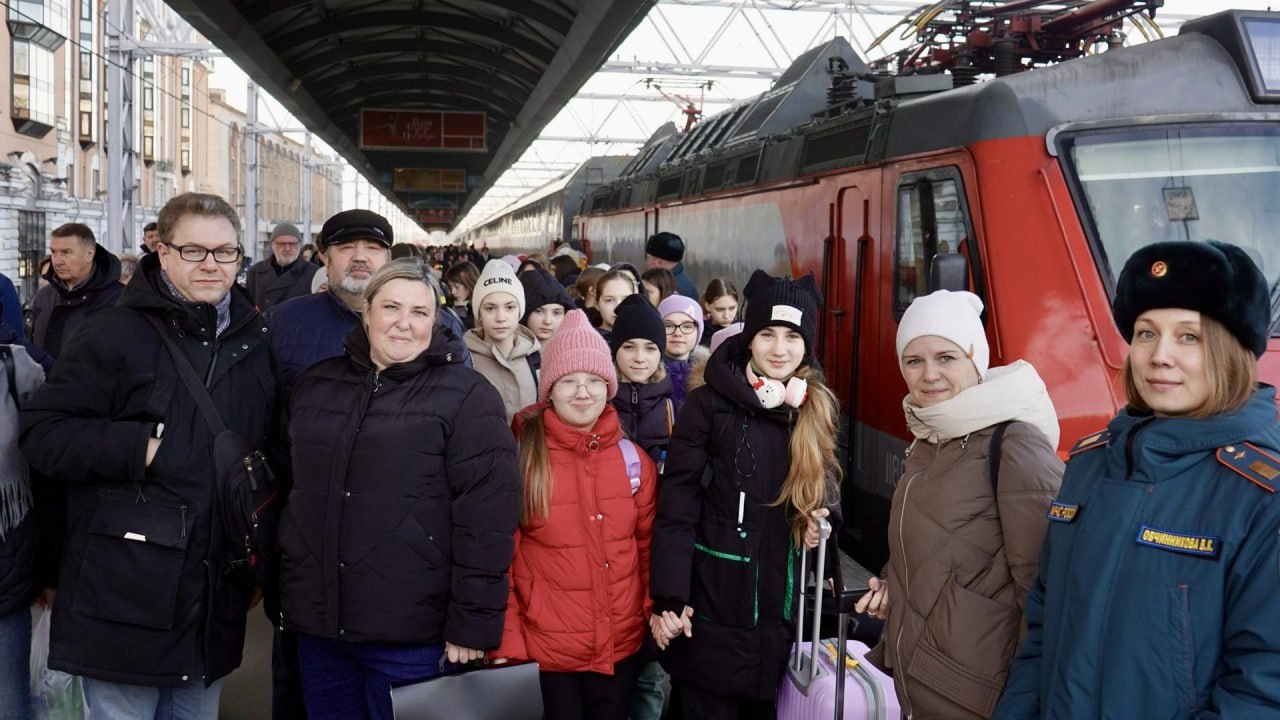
(954, 316)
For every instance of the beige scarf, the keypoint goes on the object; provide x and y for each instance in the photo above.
(1012, 392)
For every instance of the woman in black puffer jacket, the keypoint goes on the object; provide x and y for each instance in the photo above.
(765, 425)
(398, 532)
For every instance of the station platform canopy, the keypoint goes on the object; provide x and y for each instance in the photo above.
(432, 100)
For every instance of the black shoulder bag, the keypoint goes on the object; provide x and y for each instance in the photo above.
(247, 504)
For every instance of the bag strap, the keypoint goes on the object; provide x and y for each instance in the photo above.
(993, 456)
(10, 372)
(632, 459)
(189, 378)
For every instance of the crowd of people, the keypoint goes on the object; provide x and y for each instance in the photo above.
(417, 460)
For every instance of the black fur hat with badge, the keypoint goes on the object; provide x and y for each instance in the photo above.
(1216, 279)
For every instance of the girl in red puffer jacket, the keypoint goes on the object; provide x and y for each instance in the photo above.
(579, 591)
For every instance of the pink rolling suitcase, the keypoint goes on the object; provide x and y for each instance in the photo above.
(813, 689)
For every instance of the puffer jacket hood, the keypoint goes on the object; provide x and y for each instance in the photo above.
(965, 547)
(579, 596)
(511, 374)
(1012, 392)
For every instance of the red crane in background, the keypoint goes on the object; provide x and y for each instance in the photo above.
(692, 110)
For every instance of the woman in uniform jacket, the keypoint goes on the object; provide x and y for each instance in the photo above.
(505, 352)
(1158, 583)
(968, 516)
(397, 534)
(579, 593)
(726, 554)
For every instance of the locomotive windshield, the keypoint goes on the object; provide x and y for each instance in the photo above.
(1139, 186)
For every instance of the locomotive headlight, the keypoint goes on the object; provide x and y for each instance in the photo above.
(1262, 38)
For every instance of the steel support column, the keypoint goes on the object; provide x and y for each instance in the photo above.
(120, 126)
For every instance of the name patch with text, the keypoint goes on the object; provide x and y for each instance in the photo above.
(1062, 512)
(1199, 545)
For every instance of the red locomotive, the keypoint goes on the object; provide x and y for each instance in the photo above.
(1031, 189)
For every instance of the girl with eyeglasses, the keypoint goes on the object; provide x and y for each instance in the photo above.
(682, 325)
(578, 600)
(726, 543)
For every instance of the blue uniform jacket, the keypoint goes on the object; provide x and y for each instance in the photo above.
(309, 329)
(1159, 585)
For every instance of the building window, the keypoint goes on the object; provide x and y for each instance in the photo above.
(186, 118)
(42, 22)
(186, 76)
(89, 105)
(33, 91)
(30, 251)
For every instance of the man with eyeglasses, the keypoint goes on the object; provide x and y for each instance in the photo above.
(283, 275)
(147, 609)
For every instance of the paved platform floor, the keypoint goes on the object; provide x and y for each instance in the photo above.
(247, 692)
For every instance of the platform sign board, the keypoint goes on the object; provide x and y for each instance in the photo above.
(430, 180)
(425, 130)
(437, 215)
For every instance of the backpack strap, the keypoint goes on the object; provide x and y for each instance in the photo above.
(187, 374)
(632, 459)
(993, 456)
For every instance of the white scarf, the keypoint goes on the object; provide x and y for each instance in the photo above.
(1012, 392)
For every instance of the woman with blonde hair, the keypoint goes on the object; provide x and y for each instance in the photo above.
(1158, 580)
(968, 515)
(727, 547)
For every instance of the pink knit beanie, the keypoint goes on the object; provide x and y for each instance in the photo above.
(576, 347)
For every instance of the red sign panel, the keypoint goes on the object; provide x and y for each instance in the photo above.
(437, 215)
(422, 130)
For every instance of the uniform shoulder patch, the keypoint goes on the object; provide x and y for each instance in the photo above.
(1252, 463)
(1090, 442)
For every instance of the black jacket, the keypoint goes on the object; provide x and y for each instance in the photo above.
(269, 289)
(646, 414)
(740, 578)
(56, 312)
(18, 585)
(400, 524)
(140, 600)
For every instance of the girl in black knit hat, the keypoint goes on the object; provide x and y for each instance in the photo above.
(727, 547)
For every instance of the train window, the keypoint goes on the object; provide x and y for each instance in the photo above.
(932, 219)
(1135, 187)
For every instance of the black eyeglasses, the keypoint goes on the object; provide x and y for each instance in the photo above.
(197, 254)
(685, 328)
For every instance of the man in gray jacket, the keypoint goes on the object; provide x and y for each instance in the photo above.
(284, 275)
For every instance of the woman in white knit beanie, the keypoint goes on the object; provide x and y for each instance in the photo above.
(968, 516)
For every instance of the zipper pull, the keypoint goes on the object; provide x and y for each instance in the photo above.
(662, 462)
(377, 380)
(183, 510)
(635, 395)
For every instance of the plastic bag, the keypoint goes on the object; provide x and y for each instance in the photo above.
(55, 695)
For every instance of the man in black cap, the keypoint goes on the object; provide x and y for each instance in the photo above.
(280, 277)
(665, 250)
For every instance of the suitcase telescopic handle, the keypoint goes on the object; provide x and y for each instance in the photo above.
(824, 534)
